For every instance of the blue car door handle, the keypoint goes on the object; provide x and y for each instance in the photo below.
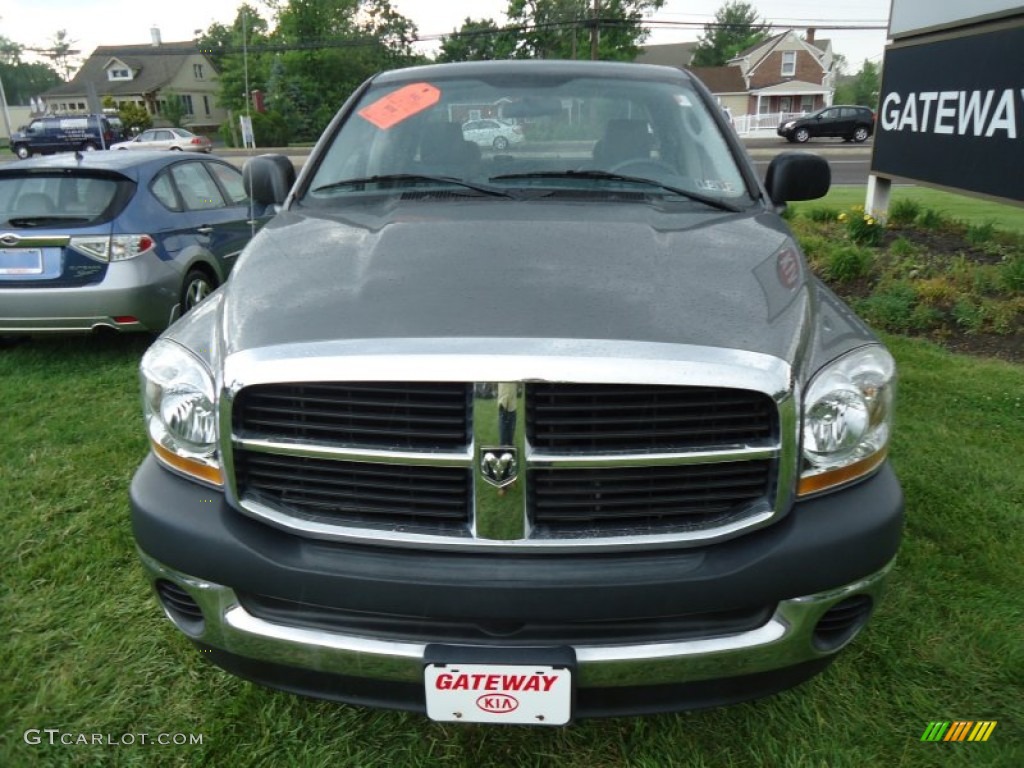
(205, 230)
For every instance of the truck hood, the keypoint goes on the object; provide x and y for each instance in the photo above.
(532, 269)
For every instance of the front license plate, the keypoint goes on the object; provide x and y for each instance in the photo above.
(499, 693)
(21, 261)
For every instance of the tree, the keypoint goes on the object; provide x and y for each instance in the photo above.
(234, 49)
(867, 85)
(561, 29)
(10, 52)
(23, 81)
(134, 118)
(63, 53)
(327, 49)
(174, 109)
(481, 40)
(735, 28)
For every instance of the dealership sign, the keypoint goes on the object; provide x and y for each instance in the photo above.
(952, 113)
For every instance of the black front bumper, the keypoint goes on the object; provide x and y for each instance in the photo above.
(826, 552)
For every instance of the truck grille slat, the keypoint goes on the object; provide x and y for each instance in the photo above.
(354, 492)
(375, 414)
(590, 417)
(612, 495)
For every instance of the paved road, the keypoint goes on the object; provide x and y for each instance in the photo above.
(849, 162)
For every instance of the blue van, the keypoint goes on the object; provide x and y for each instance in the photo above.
(55, 133)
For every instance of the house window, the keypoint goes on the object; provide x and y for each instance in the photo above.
(206, 104)
(187, 101)
(788, 63)
(806, 103)
(117, 73)
(197, 70)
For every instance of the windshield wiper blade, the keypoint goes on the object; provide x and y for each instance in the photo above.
(714, 202)
(415, 177)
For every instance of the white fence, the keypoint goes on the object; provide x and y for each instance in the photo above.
(764, 123)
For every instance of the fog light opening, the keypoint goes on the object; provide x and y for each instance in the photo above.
(841, 623)
(180, 608)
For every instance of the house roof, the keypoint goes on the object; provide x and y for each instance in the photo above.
(727, 79)
(819, 46)
(677, 55)
(791, 87)
(153, 66)
(770, 41)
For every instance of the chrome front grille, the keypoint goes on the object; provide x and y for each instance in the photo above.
(524, 463)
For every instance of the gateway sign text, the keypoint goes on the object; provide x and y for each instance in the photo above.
(960, 113)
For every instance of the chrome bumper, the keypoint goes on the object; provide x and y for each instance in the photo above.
(787, 639)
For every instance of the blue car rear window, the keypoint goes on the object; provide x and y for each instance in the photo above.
(76, 199)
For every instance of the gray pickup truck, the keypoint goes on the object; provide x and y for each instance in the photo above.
(522, 432)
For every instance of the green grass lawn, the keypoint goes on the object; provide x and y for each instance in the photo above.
(87, 650)
(970, 210)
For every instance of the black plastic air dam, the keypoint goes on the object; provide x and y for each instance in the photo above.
(823, 543)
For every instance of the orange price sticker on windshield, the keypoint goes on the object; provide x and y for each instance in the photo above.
(398, 105)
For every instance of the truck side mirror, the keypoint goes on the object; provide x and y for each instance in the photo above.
(268, 178)
(797, 176)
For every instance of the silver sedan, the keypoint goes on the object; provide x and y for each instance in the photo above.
(177, 139)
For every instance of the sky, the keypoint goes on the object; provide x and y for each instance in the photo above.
(91, 23)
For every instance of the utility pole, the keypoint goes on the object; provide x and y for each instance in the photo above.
(595, 31)
(7, 117)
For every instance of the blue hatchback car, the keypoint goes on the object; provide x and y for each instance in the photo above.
(124, 241)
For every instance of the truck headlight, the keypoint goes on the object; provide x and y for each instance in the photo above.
(847, 419)
(180, 409)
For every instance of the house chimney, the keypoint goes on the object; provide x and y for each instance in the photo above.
(154, 34)
(810, 35)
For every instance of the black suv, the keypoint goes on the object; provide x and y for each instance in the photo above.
(57, 133)
(847, 123)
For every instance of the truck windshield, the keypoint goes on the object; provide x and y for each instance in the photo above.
(530, 131)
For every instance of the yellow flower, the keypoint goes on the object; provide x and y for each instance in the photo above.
(870, 221)
(842, 217)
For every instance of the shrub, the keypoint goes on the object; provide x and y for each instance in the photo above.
(901, 247)
(862, 228)
(815, 248)
(1000, 315)
(1012, 273)
(979, 234)
(968, 315)
(936, 292)
(270, 129)
(904, 212)
(822, 214)
(929, 218)
(890, 307)
(846, 263)
(925, 318)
